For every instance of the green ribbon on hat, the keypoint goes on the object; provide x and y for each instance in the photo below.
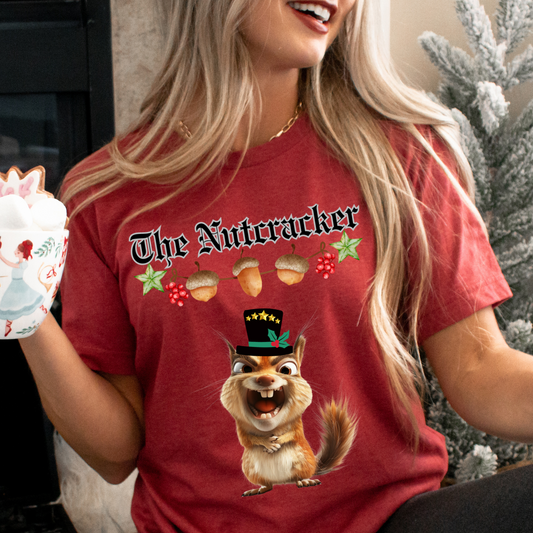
(275, 341)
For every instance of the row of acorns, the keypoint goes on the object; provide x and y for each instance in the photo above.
(290, 268)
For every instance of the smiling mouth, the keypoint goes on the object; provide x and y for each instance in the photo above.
(317, 12)
(266, 403)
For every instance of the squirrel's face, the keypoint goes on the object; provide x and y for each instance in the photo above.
(266, 391)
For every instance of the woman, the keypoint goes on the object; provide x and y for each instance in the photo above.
(19, 299)
(275, 129)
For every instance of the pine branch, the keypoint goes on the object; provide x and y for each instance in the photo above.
(513, 183)
(489, 53)
(520, 69)
(457, 96)
(476, 158)
(514, 19)
(453, 63)
(517, 263)
(478, 463)
(508, 453)
(492, 106)
(519, 335)
(511, 228)
(522, 124)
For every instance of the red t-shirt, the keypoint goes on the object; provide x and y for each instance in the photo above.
(121, 319)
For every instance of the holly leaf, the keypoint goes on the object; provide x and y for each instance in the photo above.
(347, 247)
(151, 280)
(285, 336)
(272, 335)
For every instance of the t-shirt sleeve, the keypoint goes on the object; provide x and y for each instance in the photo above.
(465, 274)
(93, 313)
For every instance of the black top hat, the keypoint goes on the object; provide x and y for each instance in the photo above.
(263, 327)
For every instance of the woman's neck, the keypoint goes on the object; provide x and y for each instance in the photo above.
(279, 96)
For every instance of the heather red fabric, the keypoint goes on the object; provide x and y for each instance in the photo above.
(289, 191)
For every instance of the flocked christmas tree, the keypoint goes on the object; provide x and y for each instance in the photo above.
(500, 152)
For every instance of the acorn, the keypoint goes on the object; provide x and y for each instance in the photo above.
(203, 285)
(247, 272)
(292, 268)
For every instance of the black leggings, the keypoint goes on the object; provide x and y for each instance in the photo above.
(502, 503)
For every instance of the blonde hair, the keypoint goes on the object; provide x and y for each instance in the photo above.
(344, 96)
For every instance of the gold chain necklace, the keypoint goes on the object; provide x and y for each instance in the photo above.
(187, 132)
(289, 124)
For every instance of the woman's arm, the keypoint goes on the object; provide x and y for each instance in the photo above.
(100, 416)
(8, 263)
(489, 384)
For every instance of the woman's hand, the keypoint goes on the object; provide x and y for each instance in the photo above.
(489, 384)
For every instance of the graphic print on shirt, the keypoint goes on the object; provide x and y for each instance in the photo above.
(150, 246)
(267, 396)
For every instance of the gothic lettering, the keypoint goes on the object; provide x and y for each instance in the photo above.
(141, 249)
(320, 221)
(209, 237)
(153, 246)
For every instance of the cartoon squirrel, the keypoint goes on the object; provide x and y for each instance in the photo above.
(267, 396)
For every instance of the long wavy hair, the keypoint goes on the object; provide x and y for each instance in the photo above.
(207, 75)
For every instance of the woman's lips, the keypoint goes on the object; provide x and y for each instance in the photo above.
(311, 22)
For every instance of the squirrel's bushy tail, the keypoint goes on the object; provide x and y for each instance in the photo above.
(339, 429)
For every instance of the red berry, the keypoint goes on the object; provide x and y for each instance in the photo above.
(320, 259)
(327, 255)
(172, 301)
(320, 267)
(327, 262)
(332, 265)
(332, 271)
(183, 294)
(180, 286)
(327, 267)
(172, 285)
(332, 257)
(186, 296)
(175, 291)
(325, 275)
(167, 287)
(171, 296)
(181, 303)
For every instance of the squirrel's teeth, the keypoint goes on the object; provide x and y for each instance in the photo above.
(264, 393)
(270, 393)
(254, 411)
(266, 415)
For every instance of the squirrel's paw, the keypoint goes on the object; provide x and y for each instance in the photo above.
(307, 483)
(255, 492)
(272, 445)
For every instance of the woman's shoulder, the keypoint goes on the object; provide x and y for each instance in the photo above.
(403, 140)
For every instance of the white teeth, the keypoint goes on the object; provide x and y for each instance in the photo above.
(270, 393)
(264, 393)
(265, 416)
(319, 11)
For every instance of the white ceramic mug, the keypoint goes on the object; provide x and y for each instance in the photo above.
(31, 265)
